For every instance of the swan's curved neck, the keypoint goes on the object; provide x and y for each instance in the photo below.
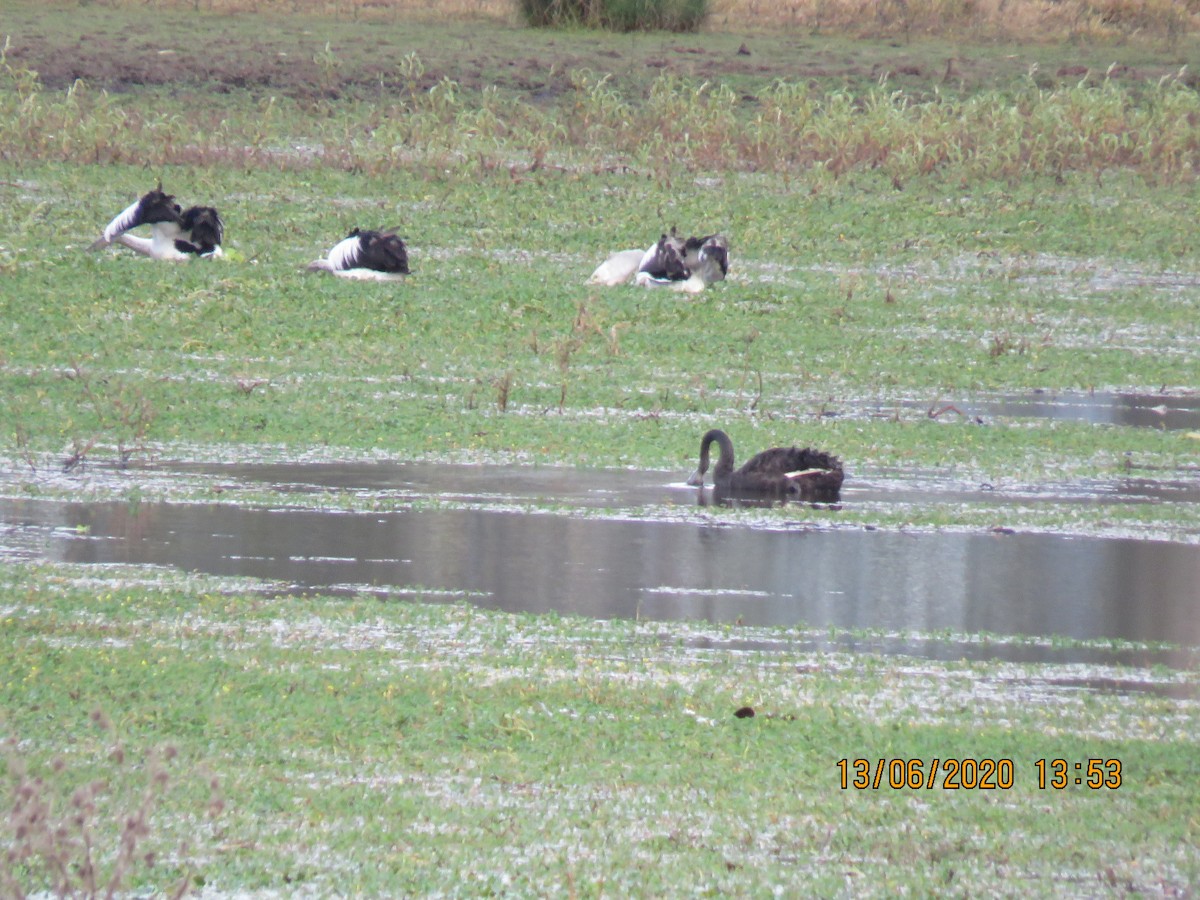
(724, 460)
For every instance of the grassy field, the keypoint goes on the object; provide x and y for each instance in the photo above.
(913, 217)
(495, 349)
(327, 747)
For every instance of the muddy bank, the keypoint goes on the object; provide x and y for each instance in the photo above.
(314, 57)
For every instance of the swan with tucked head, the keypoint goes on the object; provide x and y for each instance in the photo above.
(366, 256)
(707, 257)
(687, 265)
(785, 472)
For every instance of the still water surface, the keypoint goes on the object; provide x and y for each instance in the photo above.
(1162, 412)
(492, 538)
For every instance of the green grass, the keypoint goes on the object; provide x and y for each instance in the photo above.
(400, 748)
(853, 292)
(923, 239)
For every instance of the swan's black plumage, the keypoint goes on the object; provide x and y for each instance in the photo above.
(175, 233)
(383, 251)
(664, 261)
(708, 256)
(152, 208)
(801, 473)
(202, 231)
(366, 254)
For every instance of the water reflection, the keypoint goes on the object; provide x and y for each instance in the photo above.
(606, 567)
(1160, 411)
(609, 488)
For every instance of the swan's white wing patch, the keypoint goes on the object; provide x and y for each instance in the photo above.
(800, 473)
(369, 275)
(133, 242)
(346, 254)
(692, 285)
(648, 256)
(618, 268)
(127, 219)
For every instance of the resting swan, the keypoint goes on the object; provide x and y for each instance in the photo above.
(707, 257)
(682, 265)
(367, 256)
(803, 474)
(174, 233)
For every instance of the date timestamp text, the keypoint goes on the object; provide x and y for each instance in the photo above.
(967, 773)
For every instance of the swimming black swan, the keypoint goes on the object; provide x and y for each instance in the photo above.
(176, 233)
(366, 255)
(787, 472)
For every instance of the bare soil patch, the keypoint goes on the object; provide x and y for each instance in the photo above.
(308, 56)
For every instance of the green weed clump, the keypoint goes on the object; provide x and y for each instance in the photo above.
(616, 15)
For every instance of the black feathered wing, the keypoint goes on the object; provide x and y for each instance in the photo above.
(790, 471)
(203, 231)
(383, 252)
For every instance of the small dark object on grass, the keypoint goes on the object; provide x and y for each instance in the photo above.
(746, 712)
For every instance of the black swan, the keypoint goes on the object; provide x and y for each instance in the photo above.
(366, 255)
(707, 257)
(687, 265)
(663, 263)
(786, 472)
(175, 233)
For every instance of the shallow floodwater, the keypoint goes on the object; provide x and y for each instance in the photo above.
(1160, 411)
(493, 539)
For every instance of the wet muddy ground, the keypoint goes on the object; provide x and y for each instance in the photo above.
(311, 57)
(1159, 411)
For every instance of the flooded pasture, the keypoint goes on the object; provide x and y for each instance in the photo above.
(1167, 412)
(616, 543)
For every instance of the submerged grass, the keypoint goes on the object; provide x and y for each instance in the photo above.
(400, 748)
